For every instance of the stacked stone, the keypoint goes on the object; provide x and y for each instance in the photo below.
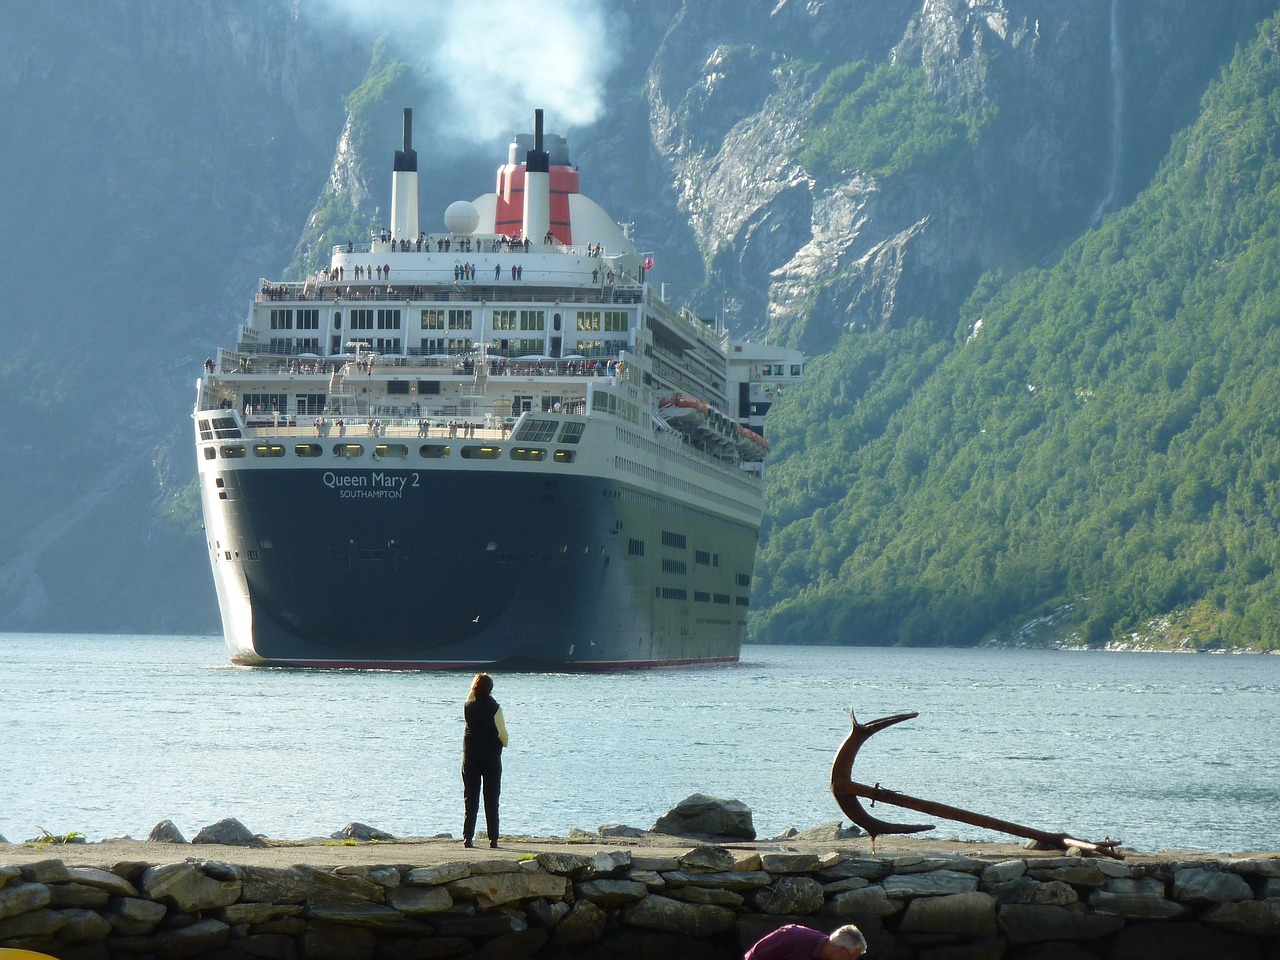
(709, 903)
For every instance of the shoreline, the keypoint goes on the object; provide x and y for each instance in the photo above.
(426, 851)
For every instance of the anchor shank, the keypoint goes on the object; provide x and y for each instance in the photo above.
(946, 811)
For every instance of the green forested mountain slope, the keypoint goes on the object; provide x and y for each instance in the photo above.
(1108, 439)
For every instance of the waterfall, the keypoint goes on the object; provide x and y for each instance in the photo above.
(1117, 114)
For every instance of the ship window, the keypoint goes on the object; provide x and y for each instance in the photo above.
(210, 453)
(307, 449)
(722, 598)
(433, 451)
(224, 428)
(268, 450)
(388, 319)
(536, 431)
(391, 450)
(571, 432)
(565, 456)
(281, 319)
(635, 547)
(309, 404)
(674, 566)
(742, 579)
(703, 557)
(674, 593)
(741, 601)
(360, 320)
(672, 539)
(230, 452)
(206, 430)
(398, 387)
(480, 453)
(348, 450)
(701, 596)
(429, 386)
(528, 453)
(308, 319)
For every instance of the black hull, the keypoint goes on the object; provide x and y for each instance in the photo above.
(405, 569)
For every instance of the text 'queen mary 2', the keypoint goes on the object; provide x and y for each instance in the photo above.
(489, 444)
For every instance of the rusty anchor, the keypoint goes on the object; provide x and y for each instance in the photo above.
(847, 791)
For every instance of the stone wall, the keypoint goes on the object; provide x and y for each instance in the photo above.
(709, 904)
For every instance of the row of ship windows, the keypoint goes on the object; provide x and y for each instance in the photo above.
(393, 451)
(448, 319)
(679, 593)
(706, 558)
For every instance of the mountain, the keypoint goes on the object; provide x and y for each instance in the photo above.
(861, 178)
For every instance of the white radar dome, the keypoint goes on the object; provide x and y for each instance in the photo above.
(461, 217)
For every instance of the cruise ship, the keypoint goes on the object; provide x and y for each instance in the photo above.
(490, 444)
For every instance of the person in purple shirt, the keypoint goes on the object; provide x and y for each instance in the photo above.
(794, 942)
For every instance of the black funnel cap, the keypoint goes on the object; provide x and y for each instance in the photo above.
(537, 160)
(407, 159)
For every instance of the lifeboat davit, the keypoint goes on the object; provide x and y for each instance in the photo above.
(709, 423)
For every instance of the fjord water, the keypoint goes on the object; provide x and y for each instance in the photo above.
(108, 735)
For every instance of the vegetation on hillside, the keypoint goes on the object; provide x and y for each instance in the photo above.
(882, 120)
(1101, 435)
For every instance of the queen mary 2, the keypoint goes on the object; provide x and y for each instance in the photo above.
(493, 443)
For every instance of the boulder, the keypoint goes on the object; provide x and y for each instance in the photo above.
(673, 916)
(497, 889)
(417, 900)
(1252, 918)
(360, 831)
(829, 832)
(227, 831)
(968, 915)
(1209, 886)
(166, 831)
(1040, 923)
(1141, 899)
(585, 923)
(102, 879)
(933, 884)
(869, 901)
(619, 830)
(185, 886)
(789, 896)
(708, 858)
(703, 816)
(83, 926)
(610, 892)
(22, 898)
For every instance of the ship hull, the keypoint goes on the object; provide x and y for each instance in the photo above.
(419, 569)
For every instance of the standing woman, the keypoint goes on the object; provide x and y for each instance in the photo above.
(482, 745)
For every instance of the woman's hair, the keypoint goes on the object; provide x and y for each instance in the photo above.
(481, 686)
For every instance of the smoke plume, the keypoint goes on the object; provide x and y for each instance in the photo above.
(494, 61)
